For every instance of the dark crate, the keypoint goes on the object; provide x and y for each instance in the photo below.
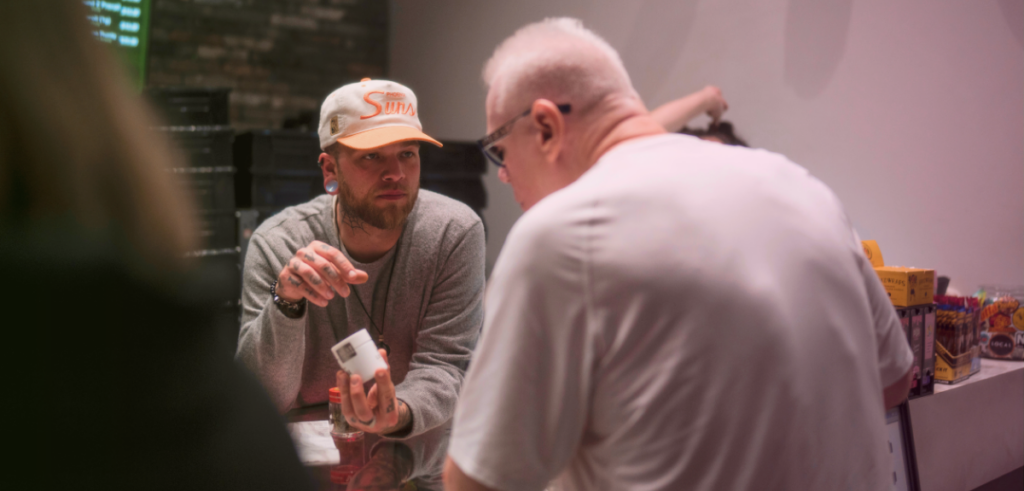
(220, 286)
(279, 191)
(217, 229)
(469, 190)
(454, 158)
(276, 168)
(212, 188)
(248, 220)
(228, 323)
(221, 272)
(455, 171)
(269, 151)
(204, 147)
(190, 106)
(290, 151)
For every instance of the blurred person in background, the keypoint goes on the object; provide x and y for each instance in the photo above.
(675, 115)
(116, 375)
(668, 313)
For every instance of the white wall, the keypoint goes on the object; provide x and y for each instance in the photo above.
(911, 110)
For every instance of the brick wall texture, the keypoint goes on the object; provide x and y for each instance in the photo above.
(279, 57)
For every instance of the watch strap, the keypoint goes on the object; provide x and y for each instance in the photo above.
(291, 310)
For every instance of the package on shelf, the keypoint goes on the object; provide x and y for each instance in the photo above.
(1002, 328)
(957, 337)
(907, 287)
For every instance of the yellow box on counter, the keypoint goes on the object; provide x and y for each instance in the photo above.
(907, 287)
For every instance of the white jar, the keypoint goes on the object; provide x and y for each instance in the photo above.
(358, 355)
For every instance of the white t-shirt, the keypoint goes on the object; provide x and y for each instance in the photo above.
(686, 315)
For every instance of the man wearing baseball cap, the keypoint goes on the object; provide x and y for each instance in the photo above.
(374, 253)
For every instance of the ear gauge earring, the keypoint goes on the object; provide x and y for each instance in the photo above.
(331, 187)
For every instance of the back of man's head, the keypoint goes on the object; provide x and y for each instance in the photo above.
(555, 59)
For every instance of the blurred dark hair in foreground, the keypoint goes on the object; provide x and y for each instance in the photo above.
(117, 377)
(722, 132)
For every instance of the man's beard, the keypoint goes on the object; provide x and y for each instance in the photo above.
(358, 211)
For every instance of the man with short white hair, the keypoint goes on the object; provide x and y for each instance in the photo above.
(668, 313)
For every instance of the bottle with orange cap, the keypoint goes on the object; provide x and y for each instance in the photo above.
(349, 441)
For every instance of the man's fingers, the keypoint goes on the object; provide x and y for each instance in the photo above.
(362, 411)
(341, 379)
(312, 280)
(326, 269)
(384, 354)
(349, 274)
(346, 399)
(344, 290)
(387, 404)
(371, 399)
(293, 287)
(314, 297)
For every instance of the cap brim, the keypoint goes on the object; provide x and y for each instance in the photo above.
(378, 137)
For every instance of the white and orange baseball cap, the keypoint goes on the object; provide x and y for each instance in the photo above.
(370, 114)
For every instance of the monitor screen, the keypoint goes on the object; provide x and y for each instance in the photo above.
(124, 26)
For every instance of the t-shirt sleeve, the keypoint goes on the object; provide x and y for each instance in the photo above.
(894, 355)
(522, 411)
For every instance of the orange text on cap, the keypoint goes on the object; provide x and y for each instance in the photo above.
(388, 107)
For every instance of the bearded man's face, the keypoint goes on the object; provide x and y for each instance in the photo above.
(379, 186)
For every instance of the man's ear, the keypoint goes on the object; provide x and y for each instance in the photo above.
(329, 167)
(550, 125)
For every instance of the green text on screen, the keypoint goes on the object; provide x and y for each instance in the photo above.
(124, 25)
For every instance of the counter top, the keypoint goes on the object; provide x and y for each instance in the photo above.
(965, 435)
(968, 434)
(989, 369)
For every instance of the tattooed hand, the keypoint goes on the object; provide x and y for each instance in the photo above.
(317, 272)
(377, 411)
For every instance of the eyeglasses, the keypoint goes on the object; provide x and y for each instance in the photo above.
(497, 155)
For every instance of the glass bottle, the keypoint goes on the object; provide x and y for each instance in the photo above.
(349, 441)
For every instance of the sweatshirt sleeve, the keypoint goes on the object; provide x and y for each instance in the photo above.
(447, 336)
(269, 344)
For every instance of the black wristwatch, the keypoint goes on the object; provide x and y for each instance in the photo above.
(291, 310)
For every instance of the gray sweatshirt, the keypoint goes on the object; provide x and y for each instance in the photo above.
(431, 317)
